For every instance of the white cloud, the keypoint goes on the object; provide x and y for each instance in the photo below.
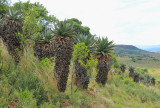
(124, 21)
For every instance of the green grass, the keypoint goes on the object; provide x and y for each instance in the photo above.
(32, 84)
(148, 63)
(145, 62)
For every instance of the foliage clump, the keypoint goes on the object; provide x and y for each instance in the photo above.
(84, 64)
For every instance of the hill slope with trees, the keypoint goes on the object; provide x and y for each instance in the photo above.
(47, 63)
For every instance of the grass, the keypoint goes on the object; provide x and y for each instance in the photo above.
(152, 65)
(32, 82)
(145, 62)
(155, 72)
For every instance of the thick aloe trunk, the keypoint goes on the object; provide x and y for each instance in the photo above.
(153, 82)
(9, 38)
(136, 79)
(104, 65)
(82, 79)
(63, 48)
(43, 50)
(131, 74)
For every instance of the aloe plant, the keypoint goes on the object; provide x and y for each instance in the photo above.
(82, 79)
(63, 47)
(103, 51)
(11, 26)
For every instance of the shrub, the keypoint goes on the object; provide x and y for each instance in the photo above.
(27, 80)
(26, 99)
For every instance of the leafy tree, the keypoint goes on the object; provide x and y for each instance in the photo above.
(63, 47)
(29, 18)
(83, 64)
(104, 50)
(78, 26)
(42, 12)
(82, 42)
(4, 4)
(31, 25)
(36, 25)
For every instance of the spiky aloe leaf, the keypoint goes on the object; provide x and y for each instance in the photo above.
(104, 47)
(13, 15)
(64, 29)
(46, 34)
(89, 41)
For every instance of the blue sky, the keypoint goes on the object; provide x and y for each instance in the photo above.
(135, 22)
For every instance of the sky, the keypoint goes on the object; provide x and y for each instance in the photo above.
(132, 22)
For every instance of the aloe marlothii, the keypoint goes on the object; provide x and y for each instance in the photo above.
(131, 71)
(123, 67)
(11, 26)
(63, 47)
(153, 82)
(104, 49)
(82, 79)
(136, 77)
(42, 47)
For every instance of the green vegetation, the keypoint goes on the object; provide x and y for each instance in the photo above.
(82, 59)
(84, 64)
(78, 26)
(41, 90)
(63, 47)
(104, 49)
(67, 66)
(123, 68)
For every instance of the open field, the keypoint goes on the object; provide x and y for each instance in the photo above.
(140, 62)
(152, 64)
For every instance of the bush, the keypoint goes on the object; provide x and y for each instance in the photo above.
(21, 81)
(25, 99)
(21, 77)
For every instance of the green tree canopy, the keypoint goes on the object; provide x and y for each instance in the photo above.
(42, 11)
(3, 7)
(78, 26)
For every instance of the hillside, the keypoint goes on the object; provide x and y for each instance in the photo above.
(32, 84)
(133, 56)
(130, 50)
(50, 63)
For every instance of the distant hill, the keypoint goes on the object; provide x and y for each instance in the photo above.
(130, 50)
(152, 48)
